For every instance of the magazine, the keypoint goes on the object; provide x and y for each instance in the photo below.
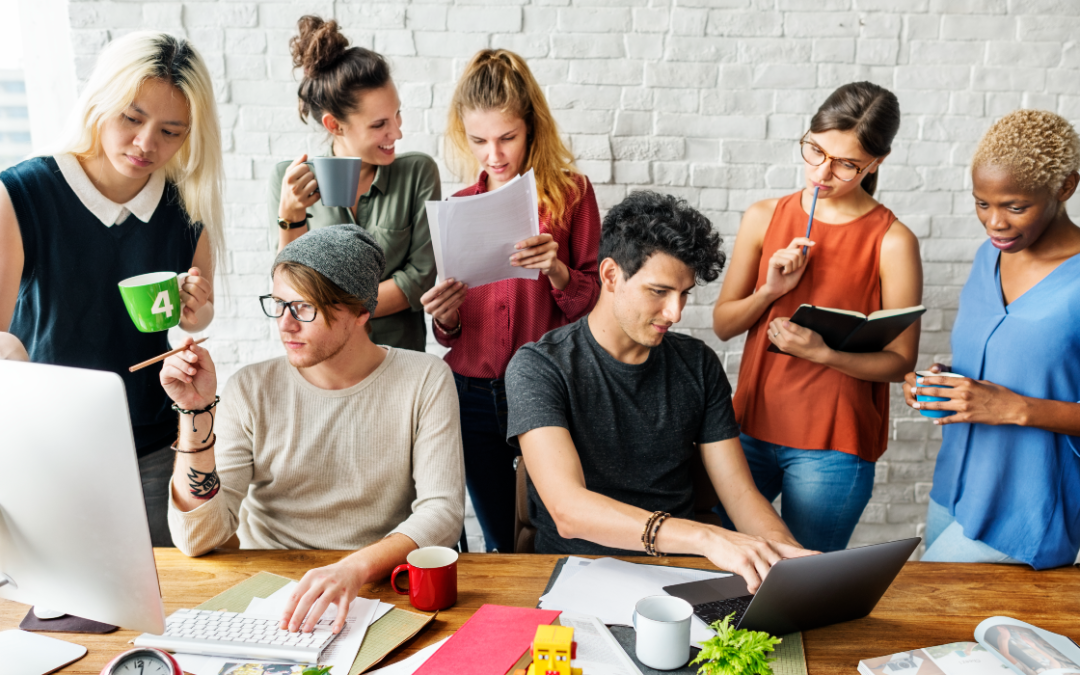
(1003, 646)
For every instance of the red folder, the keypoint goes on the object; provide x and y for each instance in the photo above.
(490, 642)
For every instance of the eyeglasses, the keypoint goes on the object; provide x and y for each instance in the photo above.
(844, 169)
(275, 309)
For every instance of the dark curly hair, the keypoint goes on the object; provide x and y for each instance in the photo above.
(648, 222)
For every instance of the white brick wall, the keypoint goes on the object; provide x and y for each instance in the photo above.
(701, 98)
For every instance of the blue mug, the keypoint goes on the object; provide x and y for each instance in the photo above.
(919, 375)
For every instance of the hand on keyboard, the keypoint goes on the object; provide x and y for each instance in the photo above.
(193, 631)
(321, 587)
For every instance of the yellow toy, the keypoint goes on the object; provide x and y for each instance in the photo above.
(552, 649)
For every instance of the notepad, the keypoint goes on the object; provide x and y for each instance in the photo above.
(473, 237)
(848, 331)
(491, 642)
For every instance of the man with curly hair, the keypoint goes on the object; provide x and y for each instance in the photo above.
(1007, 480)
(610, 410)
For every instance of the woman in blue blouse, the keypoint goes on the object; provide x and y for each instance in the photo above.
(1007, 481)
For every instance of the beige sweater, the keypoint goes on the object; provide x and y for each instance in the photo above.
(307, 468)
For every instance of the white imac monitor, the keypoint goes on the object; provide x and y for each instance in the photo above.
(73, 531)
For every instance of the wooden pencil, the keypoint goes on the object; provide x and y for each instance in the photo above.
(150, 362)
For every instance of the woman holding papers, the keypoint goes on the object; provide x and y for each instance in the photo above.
(499, 127)
(814, 420)
(133, 188)
(1007, 481)
(349, 92)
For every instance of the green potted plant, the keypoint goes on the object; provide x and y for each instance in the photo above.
(735, 652)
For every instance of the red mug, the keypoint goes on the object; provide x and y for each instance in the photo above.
(432, 578)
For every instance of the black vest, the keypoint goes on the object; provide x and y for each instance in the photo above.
(69, 311)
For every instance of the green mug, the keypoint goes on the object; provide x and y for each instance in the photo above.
(153, 300)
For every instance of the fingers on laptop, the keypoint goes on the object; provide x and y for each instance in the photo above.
(789, 551)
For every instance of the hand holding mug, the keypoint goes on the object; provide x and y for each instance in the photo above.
(912, 378)
(189, 377)
(951, 399)
(298, 191)
(443, 300)
(195, 292)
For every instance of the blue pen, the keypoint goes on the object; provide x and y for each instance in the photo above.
(810, 221)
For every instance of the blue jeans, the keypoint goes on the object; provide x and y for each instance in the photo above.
(824, 491)
(945, 541)
(489, 459)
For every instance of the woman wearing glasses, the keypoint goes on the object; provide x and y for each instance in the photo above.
(814, 420)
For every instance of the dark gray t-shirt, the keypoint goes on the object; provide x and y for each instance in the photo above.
(634, 426)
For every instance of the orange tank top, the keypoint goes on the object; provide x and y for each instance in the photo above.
(790, 401)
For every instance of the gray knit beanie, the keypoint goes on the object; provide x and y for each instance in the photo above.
(344, 254)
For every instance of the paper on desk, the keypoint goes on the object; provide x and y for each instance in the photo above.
(473, 237)
(598, 652)
(410, 665)
(278, 599)
(608, 589)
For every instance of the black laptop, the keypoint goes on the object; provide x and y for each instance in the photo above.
(802, 593)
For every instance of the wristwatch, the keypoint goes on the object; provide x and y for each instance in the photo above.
(286, 225)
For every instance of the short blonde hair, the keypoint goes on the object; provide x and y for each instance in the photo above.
(1039, 148)
(197, 167)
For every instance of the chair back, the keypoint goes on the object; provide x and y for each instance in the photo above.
(524, 532)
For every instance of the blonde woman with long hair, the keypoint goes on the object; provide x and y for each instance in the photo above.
(134, 188)
(499, 127)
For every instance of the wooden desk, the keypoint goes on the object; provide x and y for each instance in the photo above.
(928, 604)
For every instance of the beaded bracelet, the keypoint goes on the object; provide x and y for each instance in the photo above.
(651, 549)
(196, 413)
(645, 534)
(446, 331)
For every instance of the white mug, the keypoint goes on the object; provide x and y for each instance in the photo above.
(662, 624)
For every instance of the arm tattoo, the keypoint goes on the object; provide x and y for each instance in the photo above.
(203, 485)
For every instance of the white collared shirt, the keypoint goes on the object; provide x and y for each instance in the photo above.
(106, 210)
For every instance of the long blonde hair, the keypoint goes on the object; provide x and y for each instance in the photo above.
(497, 79)
(196, 168)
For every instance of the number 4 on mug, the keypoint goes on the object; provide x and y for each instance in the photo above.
(162, 305)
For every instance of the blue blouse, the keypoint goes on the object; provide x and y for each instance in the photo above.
(1014, 488)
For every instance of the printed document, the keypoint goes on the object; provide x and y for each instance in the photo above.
(473, 237)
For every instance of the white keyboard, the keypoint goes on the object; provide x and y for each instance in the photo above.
(196, 631)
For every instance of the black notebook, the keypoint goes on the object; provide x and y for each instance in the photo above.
(848, 331)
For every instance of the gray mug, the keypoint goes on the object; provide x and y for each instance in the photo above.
(338, 178)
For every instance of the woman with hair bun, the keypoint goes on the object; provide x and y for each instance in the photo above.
(349, 92)
(500, 126)
(814, 420)
(1007, 480)
(134, 188)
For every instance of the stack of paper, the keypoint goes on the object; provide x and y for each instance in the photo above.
(340, 653)
(609, 589)
(474, 237)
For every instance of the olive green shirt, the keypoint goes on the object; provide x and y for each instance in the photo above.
(393, 212)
